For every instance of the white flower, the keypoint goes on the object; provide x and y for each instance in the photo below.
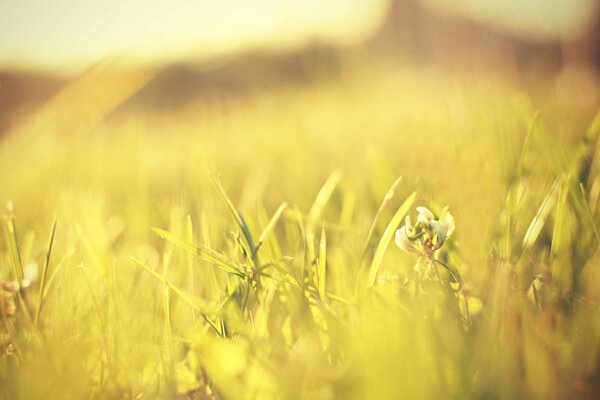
(429, 233)
(403, 241)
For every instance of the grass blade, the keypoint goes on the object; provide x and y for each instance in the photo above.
(13, 247)
(387, 237)
(192, 301)
(322, 266)
(388, 197)
(167, 307)
(203, 252)
(15, 257)
(589, 214)
(44, 274)
(321, 200)
(271, 224)
(536, 225)
(236, 215)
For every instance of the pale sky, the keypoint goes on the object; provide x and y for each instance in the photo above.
(534, 19)
(77, 32)
(70, 35)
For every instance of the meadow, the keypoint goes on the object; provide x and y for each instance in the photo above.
(242, 248)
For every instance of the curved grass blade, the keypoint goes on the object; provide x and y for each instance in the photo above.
(203, 252)
(588, 211)
(236, 214)
(536, 225)
(271, 225)
(453, 272)
(192, 301)
(388, 197)
(387, 237)
(321, 200)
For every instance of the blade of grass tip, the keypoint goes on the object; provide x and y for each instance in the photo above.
(192, 301)
(558, 232)
(190, 256)
(388, 197)
(274, 219)
(68, 254)
(387, 237)
(322, 265)
(537, 223)
(189, 229)
(205, 253)
(321, 200)
(167, 306)
(44, 275)
(13, 247)
(584, 157)
(241, 246)
(589, 213)
(309, 260)
(527, 142)
(235, 213)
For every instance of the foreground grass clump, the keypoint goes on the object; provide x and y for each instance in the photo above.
(280, 278)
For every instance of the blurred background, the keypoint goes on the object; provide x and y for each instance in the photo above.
(155, 55)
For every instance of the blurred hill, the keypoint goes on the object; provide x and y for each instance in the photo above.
(235, 78)
(23, 92)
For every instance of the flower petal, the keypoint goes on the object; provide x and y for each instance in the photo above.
(404, 243)
(424, 215)
(449, 221)
(408, 224)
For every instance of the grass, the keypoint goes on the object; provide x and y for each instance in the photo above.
(243, 249)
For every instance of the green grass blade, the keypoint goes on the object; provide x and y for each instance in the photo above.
(558, 232)
(236, 214)
(388, 234)
(17, 265)
(167, 307)
(189, 233)
(13, 247)
(44, 275)
(205, 253)
(388, 197)
(321, 200)
(198, 305)
(537, 223)
(590, 216)
(322, 265)
(585, 154)
(271, 224)
(527, 143)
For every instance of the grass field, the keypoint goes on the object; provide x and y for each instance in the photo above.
(244, 248)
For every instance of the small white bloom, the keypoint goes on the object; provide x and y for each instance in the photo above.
(429, 233)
